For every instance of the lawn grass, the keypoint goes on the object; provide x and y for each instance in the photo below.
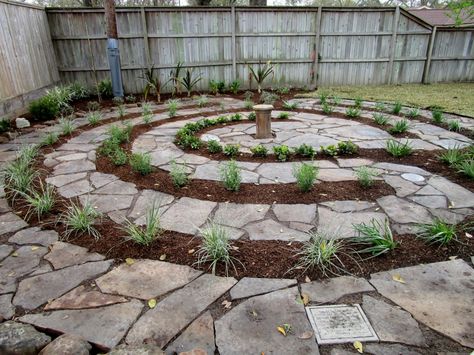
(452, 97)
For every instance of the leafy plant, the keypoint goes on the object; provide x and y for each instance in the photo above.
(306, 150)
(81, 219)
(327, 108)
(330, 150)
(202, 100)
(268, 98)
(398, 149)
(175, 78)
(353, 112)
(5, 125)
(152, 83)
(216, 87)
(62, 96)
(397, 108)
(119, 134)
(172, 106)
(283, 90)
(347, 148)
(214, 146)
(248, 104)
(466, 167)
(252, 116)
(19, 174)
(454, 125)
(234, 86)
(259, 151)
(147, 113)
(413, 113)
(44, 108)
(190, 141)
(130, 98)
(178, 174)
(231, 176)
(283, 115)
(365, 176)
(117, 101)
(39, 201)
(141, 163)
(290, 105)
(236, 117)
(377, 236)
(437, 232)
(248, 95)
(78, 91)
(452, 156)
(323, 97)
(152, 229)
(118, 156)
(94, 117)
(282, 152)
(379, 106)
(358, 102)
(189, 82)
(437, 116)
(66, 125)
(305, 175)
(93, 106)
(104, 88)
(400, 127)
(261, 73)
(222, 119)
(380, 118)
(231, 150)
(336, 100)
(49, 139)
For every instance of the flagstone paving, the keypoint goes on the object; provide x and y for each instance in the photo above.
(61, 288)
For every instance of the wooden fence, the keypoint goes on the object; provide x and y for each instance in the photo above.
(27, 58)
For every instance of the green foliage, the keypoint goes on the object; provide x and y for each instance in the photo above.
(365, 176)
(214, 146)
(94, 117)
(327, 108)
(261, 73)
(80, 219)
(353, 112)
(66, 125)
(175, 78)
(19, 174)
(147, 113)
(216, 87)
(150, 231)
(248, 104)
(190, 141)
(248, 95)
(437, 116)
(305, 175)
(413, 113)
(330, 150)
(39, 201)
(397, 108)
(259, 151)
(78, 91)
(323, 97)
(189, 82)
(283, 115)
(5, 125)
(466, 167)
(379, 106)
(268, 97)
(236, 117)
(377, 236)
(454, 125)
(400, 127)
(202, 100)
(452, 156)
(283, 90)
(141, 163)
(62, 95)
(306, 150)
(358, 102)
(234, 86)
(398, 149)
(252, 116)
(120, 134)
(118, 156)
(152, 83)
(288, 105)
(130, 98)
(93, 106)
(231, 176)
(437, 232)
(380, 118)
(347, 148)
(178, 174)
(231, 150)
(44, 109)
(222, 119)
(282, 152)
(117, 101)
(336, 100)
(172, 106)
(104, 88)
(49, 139)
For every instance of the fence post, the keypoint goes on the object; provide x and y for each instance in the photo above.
(393, 43)
(314, 74)
(426, 69)
(234, 51)
(145, 37)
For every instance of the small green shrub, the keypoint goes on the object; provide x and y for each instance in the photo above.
(268, 98)
(452, 156)
(18, 176)
(44, 109)
(377, 236)
(141, 163)
(104, 88)
(283, 115)
(358, 102)
(327, 108)
(231, 150)
(397, 108)
(49, 139)
(454, 125)
(347, 148)
(437, 232)
(216, 87)
(234, 86)
(248, 95)
(172, 105)
(248, 104)
(466, 167)
(231, 176)
(120, 134)
(380, 118)
(190, 141)
(93, 106)
(94, 117)
(353, 112)
(202, 101)
(398, 149)
(118, 156)
(117, 101)
(288, 105)
(305, 175)
(80, 219)
(413, 113)
(282, 152)
(365, 176)
(5, 125)
(78, 91)
(149, 232)
(306, 151)
(259, 151)
(400, 127)
(214, 146)
(252, 116)
(236, 117)
(330, 150)
(437, 116)
(178, 174)
(222, 119)
(66, 125)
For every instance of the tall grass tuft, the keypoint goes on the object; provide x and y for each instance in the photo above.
(377, 236)
(150, 231)
(305, 175)
(80, 219)
(231, 176)
(437, 232)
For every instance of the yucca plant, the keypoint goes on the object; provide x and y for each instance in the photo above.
(150, 231)
(380, 118)
(175, 78)
(261, 73)
(398, 149)
(152, 83)
(189, 82)
(80, 219)
(452, 156)
(400, 127)
(466, 167)
(437, 232)
(376, 235)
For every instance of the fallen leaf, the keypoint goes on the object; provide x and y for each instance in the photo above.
(190, 251)
(305, 298)
(34, 247)
(281, 230)
(398, 278)
(253, 313)
(468, 235)
(260, 210)
(282, 330)
(358, 346)
(162, 257)
(306, 335)
(152, 303)
(129, 261)
(15, 254)
(226, 304)
(454, 257)
(307, 279)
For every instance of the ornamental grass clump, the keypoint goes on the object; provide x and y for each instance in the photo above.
(437, 116)
(214, 147)
(398, 149)
(305, 175)
(438, 232)
(94, 117)
(452, 156)
(283, 115)
(376, 236)
(49, 139)
(80, 219)
(413, 113)
(66, 125)
(454, 125)
(290, 105)
(380, 118)
(172, 106)
(19, 174)
(202, 101)
(400, 127)
(178, 174)
(365, 176)
(231, 175)
(466, 167)
(145, 235)
(327, 108)
(353, 112)
(397, 108)
(40, 201)
(141, 163)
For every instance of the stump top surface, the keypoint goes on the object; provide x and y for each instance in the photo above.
(263, 107)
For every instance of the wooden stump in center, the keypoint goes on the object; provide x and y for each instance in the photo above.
(264, 121)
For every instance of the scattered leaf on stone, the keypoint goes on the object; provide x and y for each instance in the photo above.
(305, 298)
(454, 257)
(307, 279)
(468, 235)
(306, 335)
(281, 230)
(282, 330)
(398, 278)
(226, 304)
(358, 346)
(15, 254)
(152, 303)
(190, 251)
(129, 261)
(162, 257)
(34, 247)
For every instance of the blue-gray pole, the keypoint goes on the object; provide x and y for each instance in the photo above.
(113, 52)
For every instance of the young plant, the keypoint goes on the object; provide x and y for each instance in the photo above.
(380, 118)
(289, 105)
(78, 91)
(216, 87)
(413, 113)
(150, 231)
(283, 115)
(18, 176)
(437, 116)
(454, 125)
(141, 163)
(400, 127)
(323, 97)
(66, 125)
(305, 175)
(222, 119)
(336, 100)
(118, 156)
(365, 176)
(376, 235)
(347, 148)
(283, 90)
(248, 104)
(215, 247)
(178, 174)
(147, 113)
(252, 116)
(330, 150)
(5, 125)
(248, 95)
(466, 167)
(306, 151)
(327, 108)
(397, 108)
(93, 106)
(353, 112)
(130, 98)
(282, 152)
(104, 88)
(268, 98)
(437, 232)
(358, 102)
(152, 83)
(231, 150)
(452, 156)
(94, 117)
(398, 149)
(234, 86)
(40, 201)
(202, 101)
(231, 176)
(236, 117)
(172, 106)
(49, 139)
(44, 109)
(80, 219)
(189, 82)
(259, 151)
(379, 106)
(119, 134)
(261, 73)
(175, 78)
(214, 146)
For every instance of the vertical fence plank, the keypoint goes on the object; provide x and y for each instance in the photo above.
(315, 73)
(145, 37)
(426, 69)
(396, 17)
(233, 44)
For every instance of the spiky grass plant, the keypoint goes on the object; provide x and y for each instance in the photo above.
(49, 139)
(145, 235)
(231, 175)
(121, 110)
(380, 106)
(353, 112)
(141, 163)
(327, 108)
(400, 127)
(147, 113)
(248, 104)
(437, 116)
(365, 176)
(80, 219)
(413, 113)
(452, 156)
(377, 236)
(454, 125)
(397, 108)
(288, 105)
(305, 175)
(19, 174)
(336, 100)
(215, 247)
(323, 97)
(398, 149)
(178, 174)
(466, 167)
(94, 117)
(283, 115)
(66, 125)
(358, 102)
(202, 101)
(172, 105)
(437, 232)
(380, 118)
(40, 201)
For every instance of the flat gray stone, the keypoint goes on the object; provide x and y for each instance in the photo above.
(353, 162)
(187, 215)
(277, 172)
(61, 180)
(76, 166)
(428, 190)
(402, 187)
(401, 168)
(117, 188)
(330, 290)
(336, 175)
(37, 290)
(295, 213)
(146, 200)
(458, 196)
(5, 250)
(438, 295)
(146, 279)
(142, 349)
(402, 211)
(413, 177)
(172, 314)
(67, 344)
(99, 179)
(268, 229)
(108, 203)
(21, 339)
(76, 188)
(389, 349)
(238, 215)
(430, 201)
(250, 327)
(4, 207)
(335, 225)
(7, 310)
(71, 157)
(104, 326)
(10, 222)
(252, 286)
(34, 236)
(362, 132)
(348, 205)
(392, 324)
(199, 335)
(66, 254)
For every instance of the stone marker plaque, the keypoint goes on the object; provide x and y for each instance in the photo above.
(340, 324)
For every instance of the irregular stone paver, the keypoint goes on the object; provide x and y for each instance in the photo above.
(117, 188)
(438, 295)
(34, 236)
(431, 201)
(177, 310)
(99, 179)
(250, 327)
(458, 196)
(76, 166)
(199, 335)
(34, 291)
(80, 298)
(402, 187)
(348, 206)
(104, 326)
(238, 215)
(67, 344)
(142, 349)
(146, 279)
(21, 339)
(7, 310)
(108, 203)
(252, 286)
(390, 349)
(391, 323)
(271, 230)
(401, 168)
(66, 254)
(61, 180)
(187, 215)
(10, 222)
(295, 213)
(330, 290)
(5, 250)
(402, 211)
(146, 200)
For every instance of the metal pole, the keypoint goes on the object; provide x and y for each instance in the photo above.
(113, 52)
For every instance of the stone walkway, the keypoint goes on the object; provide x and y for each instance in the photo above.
(61, 288)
